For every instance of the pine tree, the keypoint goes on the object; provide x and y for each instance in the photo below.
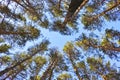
(25, 52)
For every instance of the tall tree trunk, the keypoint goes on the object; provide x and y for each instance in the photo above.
(104, 12)
(72, 13)
(18, 63)
(49, 70)
(75, 69)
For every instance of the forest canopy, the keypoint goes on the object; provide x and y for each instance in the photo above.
(26, 52)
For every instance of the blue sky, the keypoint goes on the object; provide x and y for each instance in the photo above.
(59, 40)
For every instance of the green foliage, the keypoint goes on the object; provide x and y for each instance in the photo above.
(44, 23)
(4, 9)
(39, 60)
(33, 17)
(86, 57)
(110, 4)
(68, 47)
(56, 11)
(81, 64)
(86, 20)
(90, 8)
(94, 63)
(4, 48)
(6, 59)
(64, 76)
(83, 43)
(119, 42)
(6, 26)
(107, 17)
(23, 55)
(105, 42)
(37, 77)
(1, 40)
(21, 17)
(32, 32)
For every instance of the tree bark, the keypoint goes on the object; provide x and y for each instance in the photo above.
(18, 63)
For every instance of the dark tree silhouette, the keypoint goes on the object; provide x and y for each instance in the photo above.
(73, 7)
(71, 10)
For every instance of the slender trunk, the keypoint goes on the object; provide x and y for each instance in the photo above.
(104, 77)
(110, 48)
(31, 9)
(7, 76)
(45, 74)
(21, 67)
(18, 63)
(75, 69)
(13, 74)
(50, 77)
(104, 12)
(105, 47)
(59, 3)
(71, 16)
(49, 70)
(87, 76)
(12, 32)
(79, 8)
